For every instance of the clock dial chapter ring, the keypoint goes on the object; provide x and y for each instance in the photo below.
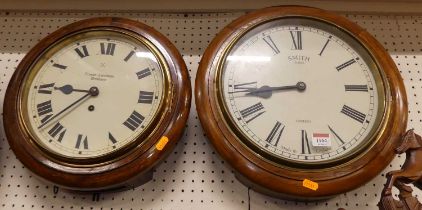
(124, 166)
(270, 175)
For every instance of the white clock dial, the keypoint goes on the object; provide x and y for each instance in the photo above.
(94, 94)
(303, 92)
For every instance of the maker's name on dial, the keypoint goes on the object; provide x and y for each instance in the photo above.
(298, 59)
(304, 121)
(99, 77)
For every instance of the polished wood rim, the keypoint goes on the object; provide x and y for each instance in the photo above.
(120, 171)
(268, 177)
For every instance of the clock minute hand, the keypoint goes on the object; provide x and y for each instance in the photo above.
(68, 89)
(93, 91)
(267, 91)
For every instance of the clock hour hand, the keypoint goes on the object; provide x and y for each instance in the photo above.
(267, 91)
(68, 89)
(93, 91)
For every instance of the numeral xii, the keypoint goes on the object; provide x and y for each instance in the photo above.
(109, 50)
(297, 39)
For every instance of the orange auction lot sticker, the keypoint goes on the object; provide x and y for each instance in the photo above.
(162, 143)
(310, 184)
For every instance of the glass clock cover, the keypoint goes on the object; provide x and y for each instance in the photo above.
(301, 90)
(93, 94)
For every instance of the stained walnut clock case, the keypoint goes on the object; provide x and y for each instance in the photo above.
(295, 95)
(97, 104)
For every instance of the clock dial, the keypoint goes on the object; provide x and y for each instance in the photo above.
(93, 94)
(302, 91)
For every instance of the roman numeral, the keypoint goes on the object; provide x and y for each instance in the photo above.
(46, 88)
(252, 112)
(129, 55)
(111, 138)
(337, 136)
(306, 149)
(270, 43)
(346, 64)
(82, 53)
(145, 97)
(325, 45)
(134, 120)
(353, 113)
(81, 141)
(45, 108)
(109, 50)
(244, 87)
(59, 66)
(275, 134)
(297, 39)
(143, 73)
(363, 88)
(56, 129)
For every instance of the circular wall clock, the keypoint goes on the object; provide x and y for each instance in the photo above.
(97, 104)
(302, 102)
